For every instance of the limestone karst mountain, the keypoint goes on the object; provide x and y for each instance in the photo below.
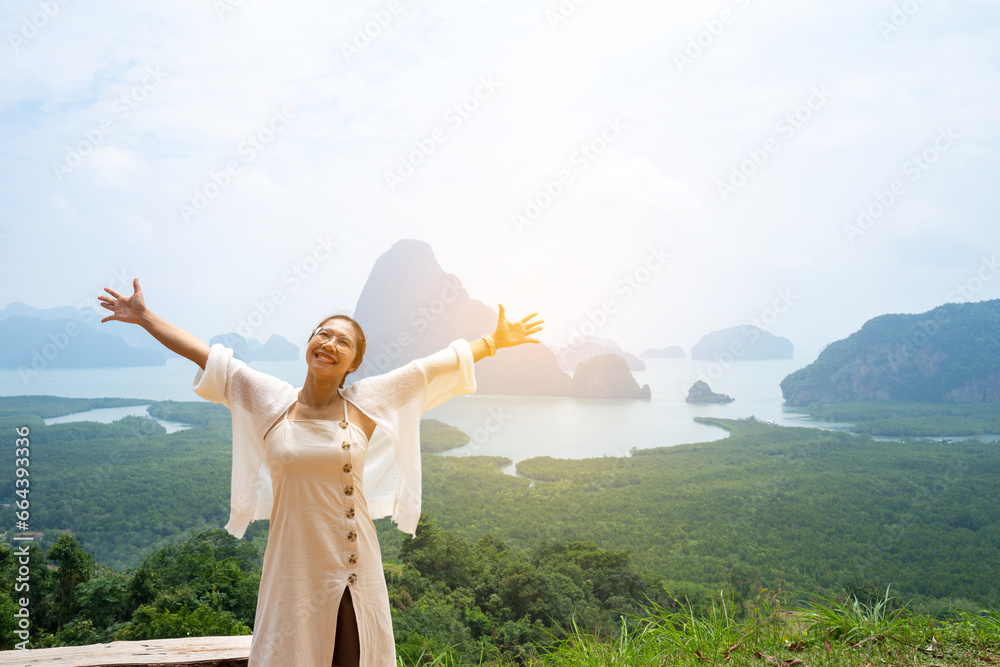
(410, 308)
(950, 354)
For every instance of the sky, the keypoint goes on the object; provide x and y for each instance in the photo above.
(641, 171)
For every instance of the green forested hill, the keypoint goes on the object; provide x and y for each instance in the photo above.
(128, 487)
(125, 487)
(948, 354)
(818, 509)
(888, 418)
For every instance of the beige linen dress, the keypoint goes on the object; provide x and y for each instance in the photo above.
(321, 541)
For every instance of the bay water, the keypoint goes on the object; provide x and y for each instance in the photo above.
(517, 427)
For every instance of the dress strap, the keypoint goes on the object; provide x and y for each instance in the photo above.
(283, 417)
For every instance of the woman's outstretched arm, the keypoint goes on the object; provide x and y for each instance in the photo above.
(507, 334)
(133, 309)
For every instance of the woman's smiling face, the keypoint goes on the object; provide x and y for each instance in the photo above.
(330, 356)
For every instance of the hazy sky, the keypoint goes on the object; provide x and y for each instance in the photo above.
(668, 168)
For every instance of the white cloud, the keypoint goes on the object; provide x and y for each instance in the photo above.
(558, 86)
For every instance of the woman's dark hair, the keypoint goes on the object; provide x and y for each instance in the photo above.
(361, 340)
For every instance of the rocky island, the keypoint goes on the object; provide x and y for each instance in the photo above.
(700, 392)
(606, 376)
(744, 342)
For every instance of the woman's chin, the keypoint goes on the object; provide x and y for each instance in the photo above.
(325, 370)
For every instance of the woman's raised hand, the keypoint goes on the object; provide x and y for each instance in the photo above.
(124, 309)
(509, 334)
(133, 309)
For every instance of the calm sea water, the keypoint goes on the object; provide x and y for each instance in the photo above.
(512, 426)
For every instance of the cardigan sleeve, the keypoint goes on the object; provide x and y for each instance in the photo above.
(431, 380)
(448, 373)
(396, 400)
(229, 381)
(256, 400)
(211, 382)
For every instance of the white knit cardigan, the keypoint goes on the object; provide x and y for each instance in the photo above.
(394, 400)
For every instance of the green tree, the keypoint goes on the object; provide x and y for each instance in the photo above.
(74, 566)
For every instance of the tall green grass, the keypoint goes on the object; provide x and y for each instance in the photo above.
(827, 630)
(854, 621)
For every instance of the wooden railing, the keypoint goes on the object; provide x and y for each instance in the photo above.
(185, 652)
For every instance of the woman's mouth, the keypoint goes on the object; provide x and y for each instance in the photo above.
(325, 358)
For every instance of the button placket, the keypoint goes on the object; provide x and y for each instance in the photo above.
(352, 534)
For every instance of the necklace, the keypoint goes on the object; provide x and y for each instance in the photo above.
(323, 411)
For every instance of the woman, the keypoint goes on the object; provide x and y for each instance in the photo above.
(321, 462)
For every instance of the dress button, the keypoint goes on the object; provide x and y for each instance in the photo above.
(343, 423)
(350, 512)
(349, 491)
(347, 467)
(351, 536)
(352, 578)
(353, 559)
(346, 445)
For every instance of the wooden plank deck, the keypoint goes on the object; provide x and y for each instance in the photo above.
(183, 652)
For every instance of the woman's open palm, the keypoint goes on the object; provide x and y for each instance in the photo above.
(124, 309)
(509, 334)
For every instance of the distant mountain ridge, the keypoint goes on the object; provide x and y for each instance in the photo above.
(33, 339)
(277, 348)
(32, 345)
(409, 308)
(88, 317)
(948, 354)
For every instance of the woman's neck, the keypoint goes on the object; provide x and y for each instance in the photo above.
(317, 394)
